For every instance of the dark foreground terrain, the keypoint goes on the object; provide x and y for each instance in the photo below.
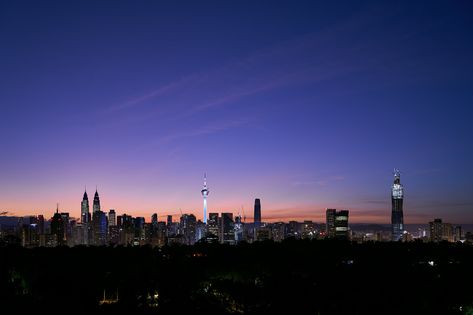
(292, 277)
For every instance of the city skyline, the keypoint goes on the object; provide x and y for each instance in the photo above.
(317, 215)
(397, 192)
(305, 105)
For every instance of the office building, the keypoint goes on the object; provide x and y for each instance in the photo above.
(227, 232)
(397, 216)
(112, 218)
(337, 224)
(213, 224)
(257, 213)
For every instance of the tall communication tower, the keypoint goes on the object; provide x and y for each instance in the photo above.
(205, 193)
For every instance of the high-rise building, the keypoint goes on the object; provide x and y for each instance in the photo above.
(85, 220)
(337, 224)
(212, 224)
(188, 227)
(440, 231)
(238, 227)
(100, 228)
(330, 223)
(84, 209)
(278, 231)
(257, 214)
(67, 227)
(200, 228)
(263, 234)
(154, 219)
(227, 232)
(205, 193)
(40, 224)
(169, 227)
(96, 205)
(293, 229)
(436, 230)
(112, 217)
(308, 229)
(341, 224)
(139, 230)
(397, 216)
(458, 233)
(57, 227)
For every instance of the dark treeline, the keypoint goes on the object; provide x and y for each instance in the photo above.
(291, 277)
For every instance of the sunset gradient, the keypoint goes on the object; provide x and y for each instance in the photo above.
(306, 106)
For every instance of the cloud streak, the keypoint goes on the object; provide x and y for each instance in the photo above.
(208, 129)
(311, 58)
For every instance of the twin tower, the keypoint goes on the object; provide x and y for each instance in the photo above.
(84, 206)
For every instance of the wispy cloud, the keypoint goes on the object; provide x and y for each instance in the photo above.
(308, 58)
(323, 181)
(160, 91)
(211, 128)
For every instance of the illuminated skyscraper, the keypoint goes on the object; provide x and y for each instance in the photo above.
(337, 224)
(99, 228)
(112, 217)
(212, 226)
(187, 226)
(96, 205)
(84, 208)
(227, 231)
(85, 219)
(397, 217)
(341, 225)
(205, 193)
(330, 223)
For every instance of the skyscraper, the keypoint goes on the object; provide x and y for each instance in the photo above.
(57, 227)
(84, 208)
(187, 226)
(112, 217)
(436, 230)
(397, 216)
(85, 219)
(99, 228)
(96, 206)
(154, 219)
(212, 226)
(441, 231)
(257, 216)
(341, 225)
(205, 193)
(330, 223)
(227, 232)
(337, 224)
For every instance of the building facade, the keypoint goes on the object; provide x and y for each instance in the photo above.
(397, 216)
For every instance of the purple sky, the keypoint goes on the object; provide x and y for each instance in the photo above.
(306, 106)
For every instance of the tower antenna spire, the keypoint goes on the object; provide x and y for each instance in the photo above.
(205, 193)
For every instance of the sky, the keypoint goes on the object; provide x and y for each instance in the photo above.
(306, 105)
